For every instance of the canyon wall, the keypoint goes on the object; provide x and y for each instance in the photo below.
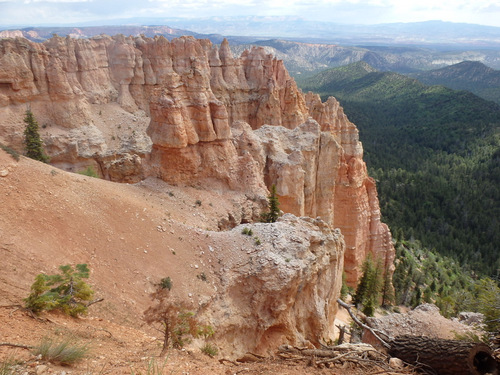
(191, 113)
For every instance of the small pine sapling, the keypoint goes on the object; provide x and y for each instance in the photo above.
(66, 291)
(273, 205)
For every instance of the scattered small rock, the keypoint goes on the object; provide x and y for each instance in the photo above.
(471, 318)
(396, 363)
(248, 358)
(41, 369)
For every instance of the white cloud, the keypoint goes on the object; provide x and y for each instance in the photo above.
(56, 1)
(341, 11)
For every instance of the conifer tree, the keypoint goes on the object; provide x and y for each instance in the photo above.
(488, 298)
(387, 291)
(66, 291)
(368, 290)
(32, 141)
(273, 204)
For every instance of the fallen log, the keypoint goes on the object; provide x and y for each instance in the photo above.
(444, 357)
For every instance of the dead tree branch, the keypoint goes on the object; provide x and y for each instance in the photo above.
(361, 324)
(95, 301)
(223, 360)
(16, 345)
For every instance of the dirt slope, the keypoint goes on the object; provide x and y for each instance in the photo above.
(130, 236)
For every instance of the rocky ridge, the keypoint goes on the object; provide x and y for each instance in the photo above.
(191, 114)
(137, 107)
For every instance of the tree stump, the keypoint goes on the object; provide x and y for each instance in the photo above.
(444, 357)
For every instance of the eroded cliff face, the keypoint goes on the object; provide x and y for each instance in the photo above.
(191, 113)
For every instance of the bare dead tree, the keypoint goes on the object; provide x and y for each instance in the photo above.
(171, 317)
(375, 333)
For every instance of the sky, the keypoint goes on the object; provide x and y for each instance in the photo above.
(40, 12)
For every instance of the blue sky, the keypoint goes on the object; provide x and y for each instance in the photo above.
(36, 12)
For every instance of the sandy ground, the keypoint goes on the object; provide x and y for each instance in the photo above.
(118, 349)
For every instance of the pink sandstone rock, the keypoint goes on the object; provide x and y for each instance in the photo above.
(198, 98)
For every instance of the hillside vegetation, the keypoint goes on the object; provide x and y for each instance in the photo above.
(471, 76)
(435, 154)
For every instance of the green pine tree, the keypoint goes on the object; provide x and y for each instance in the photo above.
(32, 141)
(273, 205)
(387, 289)
(66, 291)
(369, 287)
(488, 303)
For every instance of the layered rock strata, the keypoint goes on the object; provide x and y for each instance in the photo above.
(191, 113)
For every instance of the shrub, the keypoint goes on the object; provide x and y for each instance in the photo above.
(66, 292)
(152, 368)
(206, 331)
(247, 231)
(344, 291)
(166, 283)
(209, 349)
(6, 368)
(11, 152)
(185, 326)
(64, 352)
(89, 171)
(173, 318)
(470, 336)
(488, 300)
(369, 307)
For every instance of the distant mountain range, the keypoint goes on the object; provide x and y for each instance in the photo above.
(434, 151)
(39, 34)
(430, 33)
(434, 33)
(305, 58)
(308, 47)
(472, 76)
